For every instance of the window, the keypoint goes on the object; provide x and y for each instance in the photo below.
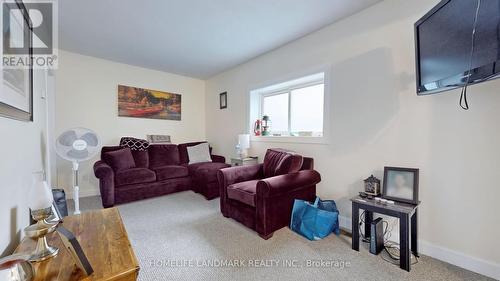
(276, 107)
(307, 109)
(295, 108)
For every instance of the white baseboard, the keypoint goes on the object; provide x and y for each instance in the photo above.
(478, 265)
(84, 193)
(345, 223)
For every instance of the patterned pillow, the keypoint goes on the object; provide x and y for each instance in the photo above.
(134, 143)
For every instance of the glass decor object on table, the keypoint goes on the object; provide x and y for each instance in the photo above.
(253, 160)
(16, 268)
(243, 145)
(40, 203)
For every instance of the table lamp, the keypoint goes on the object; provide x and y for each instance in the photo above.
(40, 202)
(244, 145)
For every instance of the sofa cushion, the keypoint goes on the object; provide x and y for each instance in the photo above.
(163, 155)
(134, 176)
(171, 172)
(183, 154)
(139, 148)
(199, 153)
(243, 192)
(120, 159)
(279, 162)
(141, 158)
(106, 149)
(207, 171)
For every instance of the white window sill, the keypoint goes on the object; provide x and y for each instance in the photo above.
(289, 139)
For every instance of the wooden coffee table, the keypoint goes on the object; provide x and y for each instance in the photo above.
(104, 240)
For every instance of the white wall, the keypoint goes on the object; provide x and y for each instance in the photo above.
(23, 151)
(378, 120)
(87, 97)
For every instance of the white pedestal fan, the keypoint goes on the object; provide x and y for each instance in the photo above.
(77, 145)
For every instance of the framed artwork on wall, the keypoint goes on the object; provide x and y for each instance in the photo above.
(16, 93)
(146, 103)
(401, 184)
(223, 100)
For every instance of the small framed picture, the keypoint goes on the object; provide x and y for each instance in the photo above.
(76, 251)
(401, 184)
(223, 100)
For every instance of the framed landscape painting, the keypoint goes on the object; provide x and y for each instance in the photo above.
(146, 103)
(16, 88)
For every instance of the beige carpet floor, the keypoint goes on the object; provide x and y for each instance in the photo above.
(184, 237)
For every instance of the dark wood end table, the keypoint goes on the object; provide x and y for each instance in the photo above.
(407, 215)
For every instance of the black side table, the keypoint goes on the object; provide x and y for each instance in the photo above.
(405, 213)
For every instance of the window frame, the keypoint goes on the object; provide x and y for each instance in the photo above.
(288, 90)
(258, 92)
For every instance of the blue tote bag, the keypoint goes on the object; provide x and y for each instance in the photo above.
(315, 221)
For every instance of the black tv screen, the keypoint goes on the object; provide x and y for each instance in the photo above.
(443, 39)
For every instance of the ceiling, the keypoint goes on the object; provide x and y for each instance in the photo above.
(196, 38)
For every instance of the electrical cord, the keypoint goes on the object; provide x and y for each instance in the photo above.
(391, 248)
(361, 234)
(464, 104)
(393, 253)
(367, 239)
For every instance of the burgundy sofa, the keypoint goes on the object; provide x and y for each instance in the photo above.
(261, 196)
(159, 170)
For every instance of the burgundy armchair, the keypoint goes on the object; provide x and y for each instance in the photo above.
(261, 196)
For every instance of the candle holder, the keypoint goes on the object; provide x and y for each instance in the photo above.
(38, 231)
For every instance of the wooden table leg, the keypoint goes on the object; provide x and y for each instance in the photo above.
(404, 235)
(368, 224)
(414, 233)
(355, 226)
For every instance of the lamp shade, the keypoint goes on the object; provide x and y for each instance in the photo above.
(244, 141)
(40, 195)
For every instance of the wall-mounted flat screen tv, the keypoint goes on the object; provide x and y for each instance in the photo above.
(443, 39)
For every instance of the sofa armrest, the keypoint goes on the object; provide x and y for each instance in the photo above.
(106, 177)
(218, 158)
(232, 175)
(102, 170)
(278, 185)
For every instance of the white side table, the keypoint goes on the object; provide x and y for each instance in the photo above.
(244, 161)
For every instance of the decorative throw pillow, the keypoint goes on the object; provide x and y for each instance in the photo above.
(134, 143)
(199, 153)
(121, 159)
(139, 149)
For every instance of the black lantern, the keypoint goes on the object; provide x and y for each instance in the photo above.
(372, 186)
